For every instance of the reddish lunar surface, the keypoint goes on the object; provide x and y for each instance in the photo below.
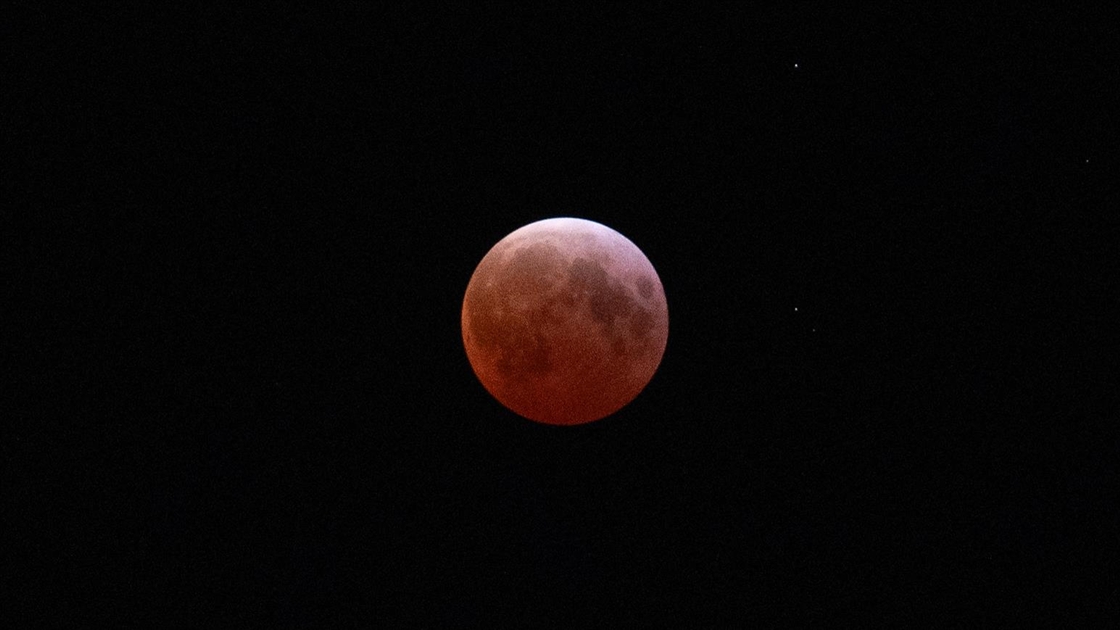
(564, 321)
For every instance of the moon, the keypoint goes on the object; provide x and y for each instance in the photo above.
(564, 321)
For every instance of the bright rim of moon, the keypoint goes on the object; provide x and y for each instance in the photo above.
(565, 321)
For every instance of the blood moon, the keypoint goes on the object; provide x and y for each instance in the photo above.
(564, 321)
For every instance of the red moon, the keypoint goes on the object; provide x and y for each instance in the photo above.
(564, 321)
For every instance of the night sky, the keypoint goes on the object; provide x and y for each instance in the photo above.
(239, 258)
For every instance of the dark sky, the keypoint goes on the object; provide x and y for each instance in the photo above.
(244, 238)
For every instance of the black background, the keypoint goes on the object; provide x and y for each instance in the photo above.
(241, 240)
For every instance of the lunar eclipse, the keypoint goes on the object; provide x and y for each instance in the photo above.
(564, 321)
